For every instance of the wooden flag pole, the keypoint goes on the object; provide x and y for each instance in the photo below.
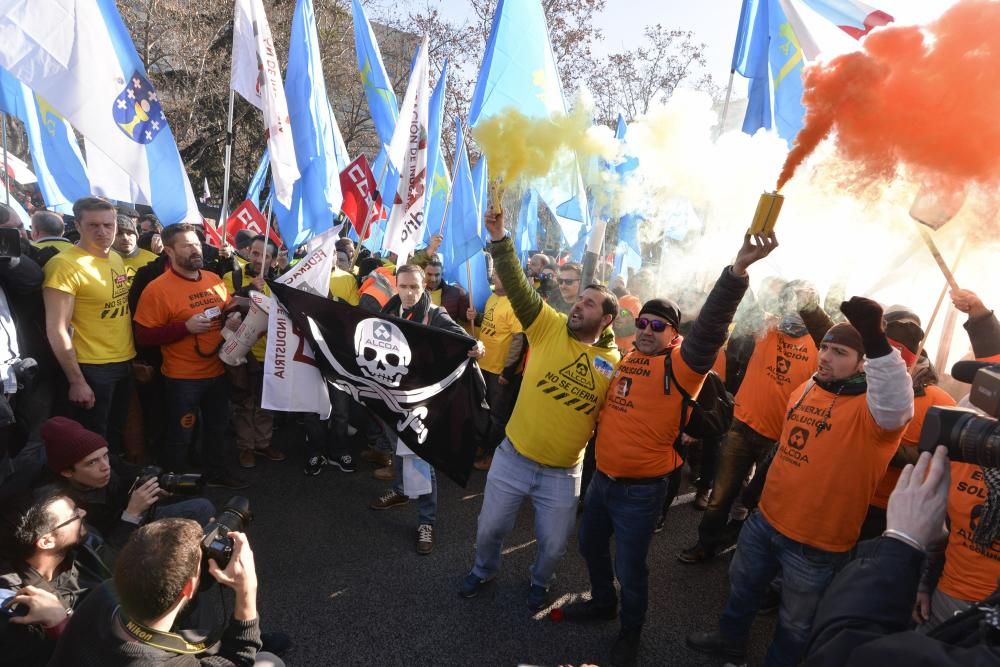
(940, 300)
(227, 163)
(468, 276)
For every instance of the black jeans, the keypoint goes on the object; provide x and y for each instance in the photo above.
(318, 431)
(742, 448)
(501, 398)
(184, 400)
(112, 387)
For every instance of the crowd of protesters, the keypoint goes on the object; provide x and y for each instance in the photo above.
(793, 418)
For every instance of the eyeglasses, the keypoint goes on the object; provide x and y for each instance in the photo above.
(78, 514)
(658, 326)
(568, 281)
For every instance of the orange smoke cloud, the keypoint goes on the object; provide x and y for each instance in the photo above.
(924, 101)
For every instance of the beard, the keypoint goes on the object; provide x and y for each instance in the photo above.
(192, 263)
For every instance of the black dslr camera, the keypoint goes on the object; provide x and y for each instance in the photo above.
(190, 484)
(969, 437)
(217, 545)
(10, 245)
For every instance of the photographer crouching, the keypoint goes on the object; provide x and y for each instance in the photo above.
(116, 503)
(130, 619)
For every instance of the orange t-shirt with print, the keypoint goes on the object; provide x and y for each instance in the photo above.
(171, 298)
(970, 570)
(830, 457)
(639, 421)
(933, 395)
(778, 365)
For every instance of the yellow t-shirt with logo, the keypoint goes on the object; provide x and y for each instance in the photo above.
(564, 386)
(500, 324)
(137, 261)
(102, 326)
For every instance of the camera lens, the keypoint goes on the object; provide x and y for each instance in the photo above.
(978, 441)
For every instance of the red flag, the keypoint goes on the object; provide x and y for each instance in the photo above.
(246, 216)
(212, 235)
(359, 186)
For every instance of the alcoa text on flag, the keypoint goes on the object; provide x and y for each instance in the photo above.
(256, 77)
(408, 151)
(79, 57)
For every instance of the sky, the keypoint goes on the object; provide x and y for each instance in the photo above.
(714, 22)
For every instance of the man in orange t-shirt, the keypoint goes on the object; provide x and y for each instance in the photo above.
(840, 430)
(181, 311)
(971, 568)
(784, 356)
(644, 412)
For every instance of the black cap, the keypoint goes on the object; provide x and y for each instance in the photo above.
(664, 308)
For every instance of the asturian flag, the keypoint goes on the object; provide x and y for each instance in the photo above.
(417, 379)
(78, 55)
(408, 151)
(257, 77)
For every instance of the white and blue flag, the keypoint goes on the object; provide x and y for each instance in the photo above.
(78, 55)
(55, 152)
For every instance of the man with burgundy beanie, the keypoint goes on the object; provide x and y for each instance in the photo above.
(841, 428)
(115, 505)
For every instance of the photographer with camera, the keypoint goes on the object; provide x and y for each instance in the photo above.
(865, 615)
(130, 620)
(182, 311)
(115, 505)
(45, 575)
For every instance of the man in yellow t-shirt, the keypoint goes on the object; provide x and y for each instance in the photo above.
(566, 379)
(88, 323)
(47, 229)
(502, 335)
(126, 245)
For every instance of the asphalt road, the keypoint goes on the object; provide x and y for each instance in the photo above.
(345, 582)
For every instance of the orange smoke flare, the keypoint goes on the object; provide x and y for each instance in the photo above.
(924, 100)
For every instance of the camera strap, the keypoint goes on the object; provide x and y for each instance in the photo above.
(166, 641)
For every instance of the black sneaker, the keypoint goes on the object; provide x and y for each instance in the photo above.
(538, 597)
(660, 523)
(226, 480)
(314, 465)
(712, 643)
(588, 611)
(345, 463)
(699, 553)
(471, 585)
(626, 648)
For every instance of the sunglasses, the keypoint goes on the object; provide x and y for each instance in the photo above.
(658, 326)
(77, 515)
(568, 281)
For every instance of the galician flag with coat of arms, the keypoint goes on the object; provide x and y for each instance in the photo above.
(79, 56)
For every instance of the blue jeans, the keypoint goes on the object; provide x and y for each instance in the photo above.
(184, 400)
(196, 509)
(112, 387)
(806, 572)
(427, 504)
(553, 491)
(629, 511)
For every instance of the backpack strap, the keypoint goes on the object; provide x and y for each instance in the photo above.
(687, 403)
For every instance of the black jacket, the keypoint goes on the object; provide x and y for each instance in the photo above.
(94, 638)
(864, 617)
(104, 506)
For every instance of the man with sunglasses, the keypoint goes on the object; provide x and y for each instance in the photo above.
(644, 413)
(569, 281)
(50, 573)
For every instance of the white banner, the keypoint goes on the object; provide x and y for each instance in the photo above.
(257, 77)
(292, 381)
(408, 151)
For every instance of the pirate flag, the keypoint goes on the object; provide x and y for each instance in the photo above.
(417, 379)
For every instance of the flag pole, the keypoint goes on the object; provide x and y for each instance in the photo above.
(472, 300)
(227, 165)
(6, 174)
(725, 106)
(454, 170)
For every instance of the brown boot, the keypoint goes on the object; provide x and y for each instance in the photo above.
(247, 459)
(384, 474)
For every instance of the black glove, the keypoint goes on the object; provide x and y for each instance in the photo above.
(865, 315)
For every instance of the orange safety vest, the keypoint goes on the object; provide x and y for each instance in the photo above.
(380, 285)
